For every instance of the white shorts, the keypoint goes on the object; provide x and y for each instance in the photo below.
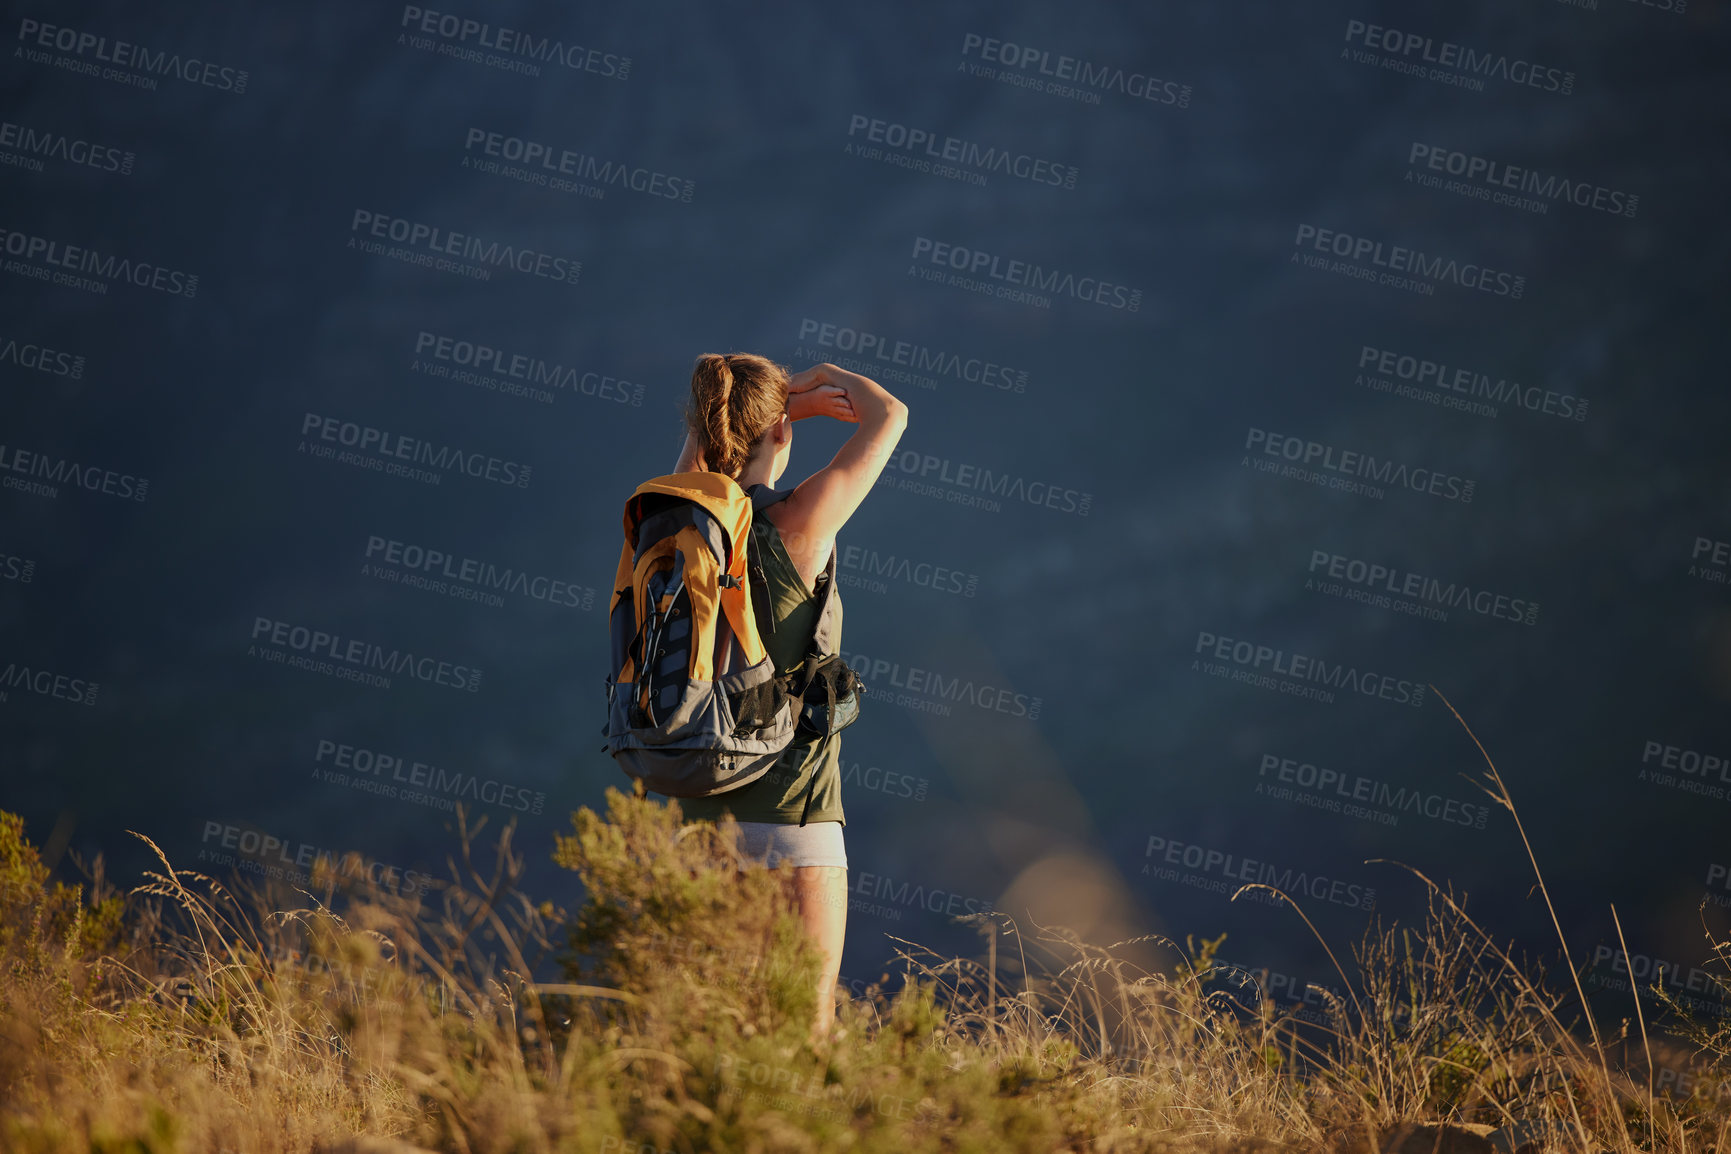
(816, 843)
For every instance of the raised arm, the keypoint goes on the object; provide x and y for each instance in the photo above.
(822, 503)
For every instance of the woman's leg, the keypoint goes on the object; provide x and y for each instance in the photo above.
(822, 895)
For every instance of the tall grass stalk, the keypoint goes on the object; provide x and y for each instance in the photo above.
(670, 1010)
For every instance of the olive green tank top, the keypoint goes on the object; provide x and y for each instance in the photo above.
(815, 762)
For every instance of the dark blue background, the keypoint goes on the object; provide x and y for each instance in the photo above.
(1098, 616)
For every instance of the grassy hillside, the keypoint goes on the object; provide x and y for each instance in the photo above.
(184, 1015)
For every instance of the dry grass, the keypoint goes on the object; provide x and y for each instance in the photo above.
(186, 1016)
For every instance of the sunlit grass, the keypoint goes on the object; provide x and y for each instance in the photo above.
(188, 1016)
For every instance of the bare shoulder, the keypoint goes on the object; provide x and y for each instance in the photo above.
(810, 517)
(809, 553)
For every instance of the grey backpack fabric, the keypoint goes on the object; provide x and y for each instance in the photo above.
(694, 706)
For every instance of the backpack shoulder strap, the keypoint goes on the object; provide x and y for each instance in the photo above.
(823, 634)
(762, 496)
(761, 606)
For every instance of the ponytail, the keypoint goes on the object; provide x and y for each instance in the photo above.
(735, 399)
(712, 392)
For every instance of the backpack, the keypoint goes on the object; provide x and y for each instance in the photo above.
(694, 705)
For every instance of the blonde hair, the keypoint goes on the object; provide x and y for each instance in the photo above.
(735, 399)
